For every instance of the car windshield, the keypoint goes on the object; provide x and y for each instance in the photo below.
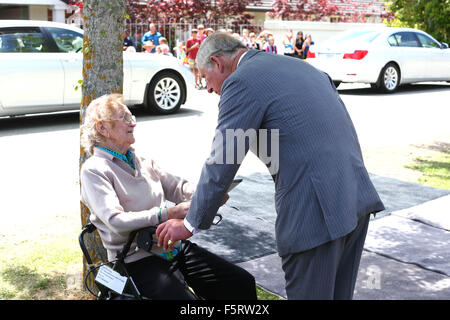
(356, 36)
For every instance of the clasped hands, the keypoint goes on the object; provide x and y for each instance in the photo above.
(174, 229)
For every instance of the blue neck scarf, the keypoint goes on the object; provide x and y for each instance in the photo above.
(128, 157)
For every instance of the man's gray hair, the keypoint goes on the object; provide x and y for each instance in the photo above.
(217, 44)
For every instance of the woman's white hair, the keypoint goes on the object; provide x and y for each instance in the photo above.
(217, 44)
(102, 108)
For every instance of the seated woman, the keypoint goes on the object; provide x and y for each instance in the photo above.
(125, 192)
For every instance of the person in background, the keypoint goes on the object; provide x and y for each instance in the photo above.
(201, 33)
(152, 35)
(299, 45)
(192, 46)
(181, 53)
(201, 36)
(127, 41)
(236, 36)
(271, 47)
(209, 31)
(262, 40)
(245, 37)
(288, 43)
(148, 47)
(253, 44)
(165, 50)
(125, 192)
(306, 45)
(163, 40)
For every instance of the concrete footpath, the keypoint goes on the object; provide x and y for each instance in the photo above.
(406, 253)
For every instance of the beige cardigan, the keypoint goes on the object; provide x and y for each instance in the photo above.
(122, 199)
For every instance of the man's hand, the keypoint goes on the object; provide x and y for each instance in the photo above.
(173, 230)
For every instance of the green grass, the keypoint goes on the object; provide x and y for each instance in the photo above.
(435, 169)
(264, 295)
(40, 269)
(37, 270)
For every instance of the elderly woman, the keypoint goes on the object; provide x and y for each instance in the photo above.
(125, 192)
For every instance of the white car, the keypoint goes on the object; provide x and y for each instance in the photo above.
(385, 57)
(41, 67)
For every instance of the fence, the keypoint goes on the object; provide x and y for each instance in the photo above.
(175, 32)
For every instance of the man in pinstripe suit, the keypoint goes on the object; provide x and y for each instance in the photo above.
(323, 194)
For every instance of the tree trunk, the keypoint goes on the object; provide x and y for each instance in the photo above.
(102, 74)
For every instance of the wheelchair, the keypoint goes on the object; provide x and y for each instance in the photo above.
(144, 240)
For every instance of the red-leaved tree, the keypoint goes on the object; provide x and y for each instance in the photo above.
(207, 12)
(164, 11)
(321, 10)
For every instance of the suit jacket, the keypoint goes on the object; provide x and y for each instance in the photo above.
(322, 187)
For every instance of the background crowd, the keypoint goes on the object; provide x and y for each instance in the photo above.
(186, 51)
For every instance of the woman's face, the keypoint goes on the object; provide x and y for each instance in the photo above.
(120, 129)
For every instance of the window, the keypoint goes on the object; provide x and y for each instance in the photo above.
(427, 42)
(22, 40)
(67, 40)
(406, 39)
(358, 35)
(392, 41)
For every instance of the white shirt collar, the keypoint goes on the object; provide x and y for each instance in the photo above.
(240, 58)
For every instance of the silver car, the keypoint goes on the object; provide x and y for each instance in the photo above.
(385, 57)
(41, 68)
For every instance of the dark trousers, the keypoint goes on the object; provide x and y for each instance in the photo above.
(328, 271)
(210, 276)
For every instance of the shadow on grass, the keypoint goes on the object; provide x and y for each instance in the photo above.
(443, 147)
(435, 168)
(28, 283)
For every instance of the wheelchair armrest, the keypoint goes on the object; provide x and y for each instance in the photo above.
(122, 254)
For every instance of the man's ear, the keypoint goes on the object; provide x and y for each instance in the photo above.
(217, 62)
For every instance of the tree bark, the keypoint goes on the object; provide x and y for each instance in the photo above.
(102, 74)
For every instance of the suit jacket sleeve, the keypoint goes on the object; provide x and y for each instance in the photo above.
(239, 110)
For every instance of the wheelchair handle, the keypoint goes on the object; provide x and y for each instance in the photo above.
(89, 228)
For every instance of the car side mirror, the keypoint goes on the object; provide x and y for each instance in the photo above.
(444, 45)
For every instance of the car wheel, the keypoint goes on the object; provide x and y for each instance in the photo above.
(389, 78)
(165, 93)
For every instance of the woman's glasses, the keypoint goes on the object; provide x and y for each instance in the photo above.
(127, 118)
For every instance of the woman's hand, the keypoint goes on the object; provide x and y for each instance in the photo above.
(179, 211)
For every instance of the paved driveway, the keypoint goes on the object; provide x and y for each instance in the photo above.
(39, 166)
